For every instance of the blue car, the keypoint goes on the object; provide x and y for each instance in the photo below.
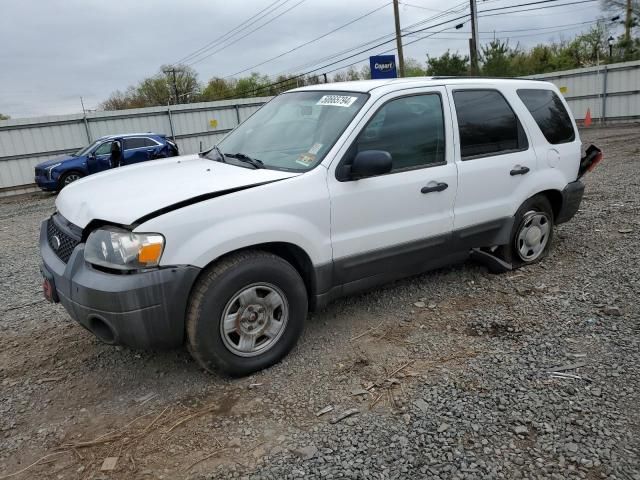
(105, 153)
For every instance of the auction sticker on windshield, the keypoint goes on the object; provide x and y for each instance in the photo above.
(337, 100)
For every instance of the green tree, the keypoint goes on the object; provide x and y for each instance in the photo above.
(626, 46)
(172, 84)
(340, 77)
(218, 88)
(591, 48)
(496, 58)
(252, 86)
(179, 82)
(412, 68)
(448, 64)
(4, 117)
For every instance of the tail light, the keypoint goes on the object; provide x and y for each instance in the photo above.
(593, 156)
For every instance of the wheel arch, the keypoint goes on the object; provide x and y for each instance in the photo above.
(293, 254)
(63, 174)
(555, 199)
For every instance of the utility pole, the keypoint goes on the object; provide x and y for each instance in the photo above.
(172, 71)
(474, 45)
(627, 25)
(396, 15)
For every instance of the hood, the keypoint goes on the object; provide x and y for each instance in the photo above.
(127, 194)
(54, 160)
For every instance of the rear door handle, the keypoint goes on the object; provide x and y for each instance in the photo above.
(519, 171)
(438, 187)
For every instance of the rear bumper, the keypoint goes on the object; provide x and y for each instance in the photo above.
(571, 199)
(141, 310)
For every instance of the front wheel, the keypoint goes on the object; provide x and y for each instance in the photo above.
(246, 313)
(531, 234)
(68, 178)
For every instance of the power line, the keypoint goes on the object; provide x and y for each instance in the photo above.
(275, 84)
(224, 36)
(535, 8)
(488, 35)
(451, 10)
(263, 87)
(371, 12)
(420, 7)
(550, 27)
(501, 9)
(247, 34)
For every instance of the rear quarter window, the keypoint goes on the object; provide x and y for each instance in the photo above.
(487, 124)
(548, 111)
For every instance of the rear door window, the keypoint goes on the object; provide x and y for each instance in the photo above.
(487, 124)
(549, 113)
(131, 143)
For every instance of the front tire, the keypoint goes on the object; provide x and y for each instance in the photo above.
(68, 178)
(532, 233)
(246, 312)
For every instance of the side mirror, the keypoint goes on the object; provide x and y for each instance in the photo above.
(371, 163)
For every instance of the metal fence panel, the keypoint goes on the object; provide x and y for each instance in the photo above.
(609, 92)
(27, 142)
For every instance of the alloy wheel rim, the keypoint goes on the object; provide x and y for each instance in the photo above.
(71, 178)
(254, 319)
(533, 235)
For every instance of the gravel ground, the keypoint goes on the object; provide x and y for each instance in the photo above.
(448, 372)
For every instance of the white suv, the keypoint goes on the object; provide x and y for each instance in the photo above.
(326, 190)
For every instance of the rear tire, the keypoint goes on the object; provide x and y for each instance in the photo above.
(532, 233)
(246, 312)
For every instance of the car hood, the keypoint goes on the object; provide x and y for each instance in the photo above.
(127, 194)
(54, 160)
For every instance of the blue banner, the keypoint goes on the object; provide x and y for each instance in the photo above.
(383, 66)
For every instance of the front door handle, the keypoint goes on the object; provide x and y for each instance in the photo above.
(438, 187)
(519, 171)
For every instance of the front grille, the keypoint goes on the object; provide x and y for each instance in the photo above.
(62, 242)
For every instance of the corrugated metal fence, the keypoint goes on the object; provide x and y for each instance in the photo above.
(26, 142)
(610, 92)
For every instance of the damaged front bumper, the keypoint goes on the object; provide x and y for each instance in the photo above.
(140, 309)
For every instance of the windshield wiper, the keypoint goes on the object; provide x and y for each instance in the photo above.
(247, 159)
(217, 150)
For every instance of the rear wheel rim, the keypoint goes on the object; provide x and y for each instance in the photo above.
(72, 177)
(533, 235)
(254, 320)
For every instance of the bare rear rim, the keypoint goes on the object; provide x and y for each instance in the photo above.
(254, 319)
(533, 235)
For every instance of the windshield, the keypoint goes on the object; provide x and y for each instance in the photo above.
(85, 150)
(294, 131)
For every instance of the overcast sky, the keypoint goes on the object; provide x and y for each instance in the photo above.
(54, 51)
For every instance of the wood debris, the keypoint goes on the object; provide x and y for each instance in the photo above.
(345, 414)
(327, 409)
(109, 464)
(563, 368)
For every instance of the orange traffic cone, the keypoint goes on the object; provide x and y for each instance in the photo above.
(587, 118)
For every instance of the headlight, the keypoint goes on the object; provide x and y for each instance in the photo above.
(121, 249)
(48, 169)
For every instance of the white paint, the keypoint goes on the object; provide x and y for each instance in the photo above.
(326, 218)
